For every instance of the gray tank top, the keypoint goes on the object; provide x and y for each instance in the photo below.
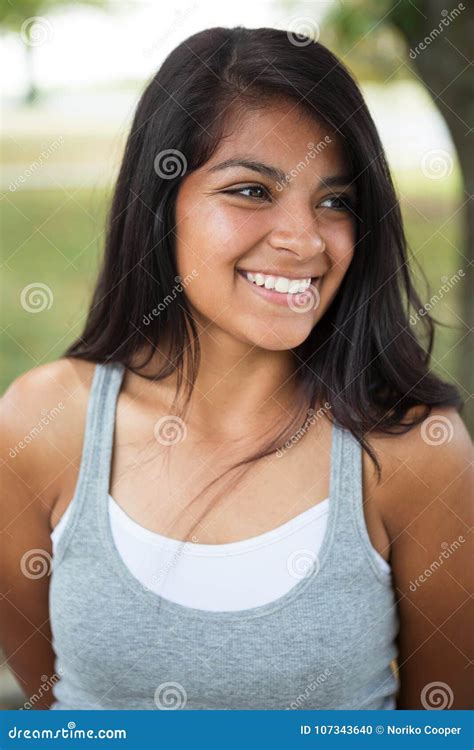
(328, 643)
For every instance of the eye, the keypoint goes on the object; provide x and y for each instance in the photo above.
(258, 192)
(342, 202)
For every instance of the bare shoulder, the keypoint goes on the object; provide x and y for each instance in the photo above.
(425, 498)
(41, 422)
(42, 415)
(426, 466)
(55, 377)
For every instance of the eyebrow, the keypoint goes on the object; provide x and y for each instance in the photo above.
(277, 174)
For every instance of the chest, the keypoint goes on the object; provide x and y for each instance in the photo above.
(182, 489)
(318, 638)
(194, 484)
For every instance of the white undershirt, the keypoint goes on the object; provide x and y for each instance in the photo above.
(249, 573)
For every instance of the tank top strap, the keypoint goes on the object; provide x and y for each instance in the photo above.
(346, 466)
(100, 436)
(346, 516)
(92, 485)
(100, 427)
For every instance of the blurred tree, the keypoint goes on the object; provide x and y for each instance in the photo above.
(25, 18)
(437, 43)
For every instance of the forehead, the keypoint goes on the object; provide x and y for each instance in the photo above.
(281, 134)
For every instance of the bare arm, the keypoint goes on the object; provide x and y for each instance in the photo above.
(428, 517)
(27, 490)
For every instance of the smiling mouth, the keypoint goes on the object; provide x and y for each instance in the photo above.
(304, 299)
(279, 284)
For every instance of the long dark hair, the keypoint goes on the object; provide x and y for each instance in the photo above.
(363, 358)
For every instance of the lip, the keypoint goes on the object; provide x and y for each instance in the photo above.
(279, 298)
(276, 274)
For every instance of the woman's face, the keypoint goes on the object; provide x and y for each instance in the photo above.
(270, 202)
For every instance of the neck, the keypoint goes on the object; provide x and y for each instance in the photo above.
(239, 388)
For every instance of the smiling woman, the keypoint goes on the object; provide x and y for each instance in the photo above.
(291, 247)
(249, 331)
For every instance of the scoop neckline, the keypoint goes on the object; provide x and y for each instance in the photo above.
(155, 600)
(258, 541)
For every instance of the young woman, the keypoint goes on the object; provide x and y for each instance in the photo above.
(251, 469)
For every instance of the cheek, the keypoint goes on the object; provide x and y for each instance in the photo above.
(208, 248)
(340, 251)
(340, 244)
(341, 259)
(213, 240)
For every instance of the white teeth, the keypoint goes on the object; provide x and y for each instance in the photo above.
(279, 283)
(295, 286)
(282, 284)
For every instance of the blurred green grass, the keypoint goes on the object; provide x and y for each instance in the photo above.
(56, 237)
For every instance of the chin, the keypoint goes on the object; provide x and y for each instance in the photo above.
(279, 341)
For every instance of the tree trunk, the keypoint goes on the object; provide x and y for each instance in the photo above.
(444, 66)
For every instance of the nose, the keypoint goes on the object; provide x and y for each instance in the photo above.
(298, 235)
